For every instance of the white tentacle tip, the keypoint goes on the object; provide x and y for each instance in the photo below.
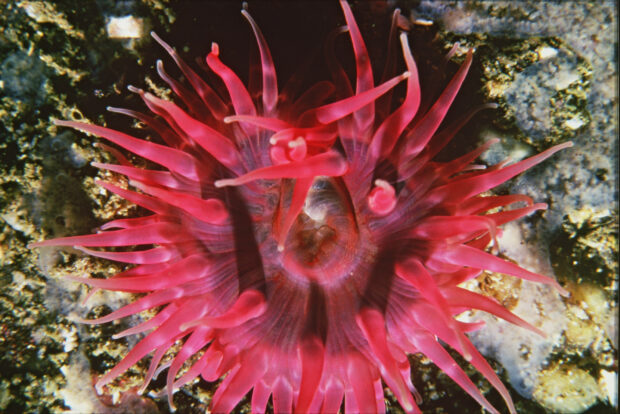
(222, 183)
(215, 49)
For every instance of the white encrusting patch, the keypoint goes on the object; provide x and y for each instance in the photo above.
(547, 52)
(126, 27)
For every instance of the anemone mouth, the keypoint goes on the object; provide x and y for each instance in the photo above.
(324, 242)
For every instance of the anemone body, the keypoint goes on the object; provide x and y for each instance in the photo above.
(302, 244)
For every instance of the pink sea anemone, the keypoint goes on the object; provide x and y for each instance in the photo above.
(301, 245)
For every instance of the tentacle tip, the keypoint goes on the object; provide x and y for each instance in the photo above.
(215, 49)
(280, 248)
(494, 141)
(417, 397)
(563, 292)
(541, 333)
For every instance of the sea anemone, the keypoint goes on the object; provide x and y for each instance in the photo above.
(301, 245)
